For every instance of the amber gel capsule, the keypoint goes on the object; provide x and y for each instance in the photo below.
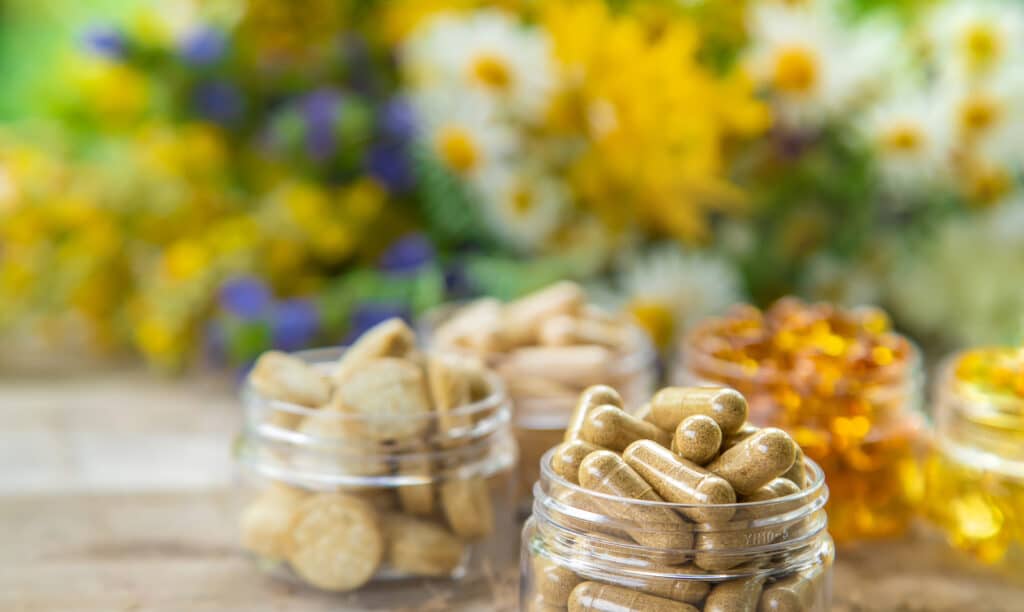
(680, 481)
(597, 597)
(754, 462)
(794, 593)
(615, 429)
(592, 397)
(673, 404)
(658, 527)
(567, 456)
(697, 439)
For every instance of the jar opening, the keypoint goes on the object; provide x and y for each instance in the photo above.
(586, 527)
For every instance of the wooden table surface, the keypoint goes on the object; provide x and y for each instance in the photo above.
(116, 494)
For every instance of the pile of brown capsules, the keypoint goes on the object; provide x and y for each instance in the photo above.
(548, 347)
(688, 445)
(375, 407)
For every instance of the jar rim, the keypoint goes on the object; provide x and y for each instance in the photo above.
(816, 488)
(976, 404)
(320, 358)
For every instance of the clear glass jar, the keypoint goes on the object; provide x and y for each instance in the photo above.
(543, 399)
(775, 554)
(975, 471)
(380, 520)
(868, 438)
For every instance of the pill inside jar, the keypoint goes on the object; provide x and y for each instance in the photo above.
(646, 528)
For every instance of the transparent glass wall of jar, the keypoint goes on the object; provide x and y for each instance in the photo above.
(544, 382)
(975, 470)
(771, 555)
(857, 418)
(385, 522)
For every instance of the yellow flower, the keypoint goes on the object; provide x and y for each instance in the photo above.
(185, 259)
(116, 93)
(655, 151)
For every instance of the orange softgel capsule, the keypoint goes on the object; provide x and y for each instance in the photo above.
(842, 383)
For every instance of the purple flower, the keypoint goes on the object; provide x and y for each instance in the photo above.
(296, 323)
(368, 314)
(104, 40)
(203, 47)
(218, 101)
(397, 120)
(407, 254)
(390, 165)
(246, 297)
(321, 110)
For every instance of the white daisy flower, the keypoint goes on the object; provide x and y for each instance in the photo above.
(973, 38)
(463, 132)
(668, 289)
(522, 207)
(911, 140)
(813, 67)
(487, 51)
(960, 285)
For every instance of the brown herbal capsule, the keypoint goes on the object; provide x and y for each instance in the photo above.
(697, 439)
(592, 397)
(779, 487)
(615, 429)
(658, 527)
(597, 597)
(751, 464)
(742, 434)
(794, 593)
(735, 596)
(644, 412)
(797, 473)
(680, 481)
(553, 582)
(673, 404)
(567, 458)
(679, 589)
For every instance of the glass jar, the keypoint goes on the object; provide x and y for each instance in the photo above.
(863, 425)
(775, 554)
(544, 397)
(975, 470)
(379, 520)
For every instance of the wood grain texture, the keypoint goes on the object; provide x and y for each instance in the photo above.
(116, 494)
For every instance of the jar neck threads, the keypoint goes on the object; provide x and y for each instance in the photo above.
(587, 531)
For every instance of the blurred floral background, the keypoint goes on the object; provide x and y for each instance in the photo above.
(197, 182)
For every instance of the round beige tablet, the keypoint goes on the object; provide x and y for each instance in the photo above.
(335, 542)
(390, 397)
(467, 506)
(267, 520)
(421, 548)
